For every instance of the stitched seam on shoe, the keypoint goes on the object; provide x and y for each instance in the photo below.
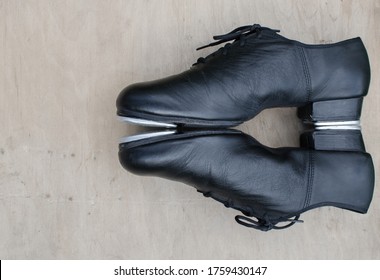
(310, 179)
(323, 46)
(306, 73)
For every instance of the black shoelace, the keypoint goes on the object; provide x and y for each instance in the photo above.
(238, 34)
(265, 224)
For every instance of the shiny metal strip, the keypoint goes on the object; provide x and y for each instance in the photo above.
(132, 138)
(144, 122)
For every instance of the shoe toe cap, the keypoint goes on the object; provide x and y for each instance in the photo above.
(131, 98)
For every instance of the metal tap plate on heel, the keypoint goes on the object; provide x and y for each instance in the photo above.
(336, 125)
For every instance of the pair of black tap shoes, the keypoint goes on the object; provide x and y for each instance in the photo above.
(260, 69)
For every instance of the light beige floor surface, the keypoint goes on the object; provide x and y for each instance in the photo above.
(63, 193)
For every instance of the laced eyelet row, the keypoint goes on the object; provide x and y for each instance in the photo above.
(263, 224)
(238, 34)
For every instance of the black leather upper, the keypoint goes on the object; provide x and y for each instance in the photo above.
(258, 70)
(270, 184)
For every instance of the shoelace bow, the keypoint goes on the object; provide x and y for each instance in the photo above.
(238, 34)
(265, 224)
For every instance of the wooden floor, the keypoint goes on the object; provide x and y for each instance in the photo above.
(63, 193)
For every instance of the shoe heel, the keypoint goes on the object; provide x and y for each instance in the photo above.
(333, 140)
(332, 110)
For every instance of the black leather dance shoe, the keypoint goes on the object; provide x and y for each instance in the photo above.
(260, 69)
(272, 185)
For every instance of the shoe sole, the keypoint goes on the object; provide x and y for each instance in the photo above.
(144, 122)
(138, 137)
(176, 121)
(155, 137)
